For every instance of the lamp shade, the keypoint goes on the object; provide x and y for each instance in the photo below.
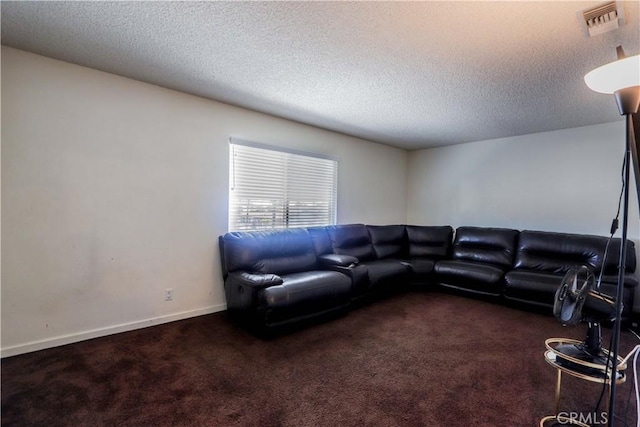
(615, 76)
(621, 78)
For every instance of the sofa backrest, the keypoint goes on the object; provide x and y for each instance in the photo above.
(488, 245)
(278, 252)
(351, 239)
(559, 252)
(320, 240)
(429, 241)
(389, 241)
(613, 257)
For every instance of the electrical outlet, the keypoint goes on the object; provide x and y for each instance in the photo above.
(168, 294)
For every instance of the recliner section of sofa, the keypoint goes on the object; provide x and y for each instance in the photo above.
(480, 259)
(543, 258)
(417, 247)
(272, 278)
(280, 277)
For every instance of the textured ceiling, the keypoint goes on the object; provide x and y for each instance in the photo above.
(406, 74)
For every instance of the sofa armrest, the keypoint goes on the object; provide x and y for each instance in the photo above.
(335, 260)
(254, 280)
(242, 288)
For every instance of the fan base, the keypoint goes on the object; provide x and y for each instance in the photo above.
(582, 354)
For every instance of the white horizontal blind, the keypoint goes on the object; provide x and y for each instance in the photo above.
(271, 188)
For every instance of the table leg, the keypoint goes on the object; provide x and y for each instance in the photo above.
(558, 383)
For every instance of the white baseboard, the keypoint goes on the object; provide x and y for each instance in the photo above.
(102, 332)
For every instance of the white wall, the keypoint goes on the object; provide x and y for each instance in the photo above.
(114, 190)
(566, 181)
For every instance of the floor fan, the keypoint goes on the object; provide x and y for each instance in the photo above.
(576, 300)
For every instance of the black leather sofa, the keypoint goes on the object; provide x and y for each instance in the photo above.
(281, 277)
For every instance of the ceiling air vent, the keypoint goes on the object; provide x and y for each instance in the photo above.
(601, 19)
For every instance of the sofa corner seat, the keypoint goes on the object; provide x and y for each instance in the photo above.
(427, 245)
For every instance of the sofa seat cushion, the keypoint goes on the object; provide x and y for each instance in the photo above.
(630, 280)
(627, 297)
(421, 267)
(532, 286)
(469, 275)
(384, 271)
(538, 288)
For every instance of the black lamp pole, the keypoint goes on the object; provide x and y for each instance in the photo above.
(621, 271)
(622, 79)
(628, 100)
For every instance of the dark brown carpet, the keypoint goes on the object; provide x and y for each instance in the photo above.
(418, 359)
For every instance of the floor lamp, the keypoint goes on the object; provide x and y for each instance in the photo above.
(622, 79)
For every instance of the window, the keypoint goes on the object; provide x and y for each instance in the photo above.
(272, 187)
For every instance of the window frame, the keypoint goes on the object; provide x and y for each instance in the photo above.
(282, 215)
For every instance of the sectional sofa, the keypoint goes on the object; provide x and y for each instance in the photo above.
(283, 277)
